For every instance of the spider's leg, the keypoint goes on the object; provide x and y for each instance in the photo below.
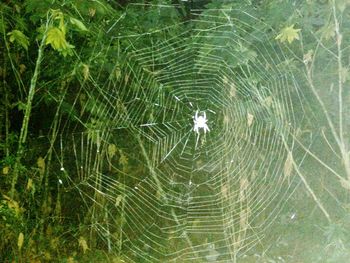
(205, 116)
(196, 115)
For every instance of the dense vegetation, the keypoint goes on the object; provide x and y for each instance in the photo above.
(50, 49)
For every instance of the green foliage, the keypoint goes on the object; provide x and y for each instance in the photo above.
(37, 9)
(80, 25)
(289, 34)
(56, 35)
(18, 37)
(57, 39)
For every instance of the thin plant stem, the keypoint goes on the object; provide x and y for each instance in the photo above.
(28, 109)
(7, 123)
(307, 186)
(343, 146)
(340, 82)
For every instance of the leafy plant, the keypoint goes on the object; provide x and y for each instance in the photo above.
(289, 34)
(18, 37)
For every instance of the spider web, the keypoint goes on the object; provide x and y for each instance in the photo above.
(156, 190)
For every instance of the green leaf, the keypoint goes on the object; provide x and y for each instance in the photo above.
(19, 37)
(41, 165)
(288, 33)
(20, 241)
(86, 71)
(67, 51)
(78, 24)
(123, 160)
(83, 244)
(56, 38)
(58, 15)
(21, 105)
(112, 150)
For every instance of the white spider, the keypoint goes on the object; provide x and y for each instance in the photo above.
(200, 122)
